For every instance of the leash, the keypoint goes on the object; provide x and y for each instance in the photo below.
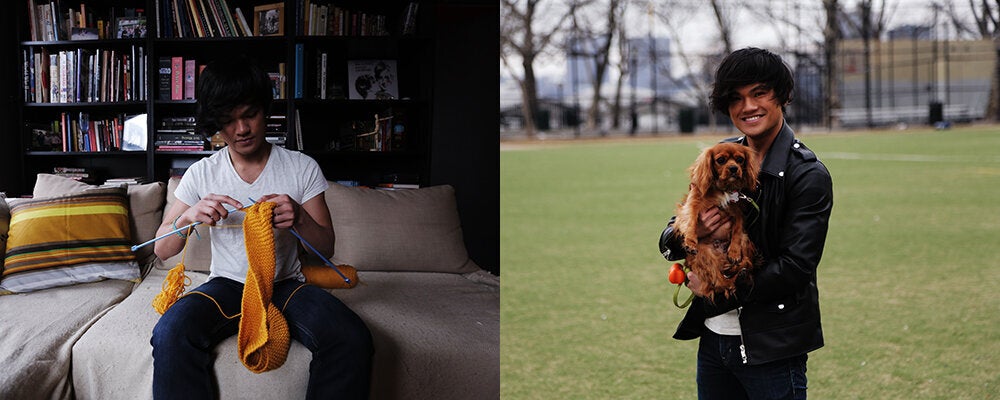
(678, 276)
(686, 302)
(753, 204)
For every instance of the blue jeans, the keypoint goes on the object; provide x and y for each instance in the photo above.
(722, 374)
(185, 335)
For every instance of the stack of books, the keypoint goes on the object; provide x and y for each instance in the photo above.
(78, 174)
(128, 181)
(276, 130)
(178, 134)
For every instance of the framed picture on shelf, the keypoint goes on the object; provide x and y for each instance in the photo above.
(372, 80)
(131, 28)
(269, 20)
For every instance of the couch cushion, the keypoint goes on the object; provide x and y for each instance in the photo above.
(65, 240)
(38, 333)
(145, 203)
(197, 253)
(400, 230)
(429, 344)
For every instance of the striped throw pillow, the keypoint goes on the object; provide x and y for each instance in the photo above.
(59, 241)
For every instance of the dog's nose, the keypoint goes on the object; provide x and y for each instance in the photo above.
(734, 169)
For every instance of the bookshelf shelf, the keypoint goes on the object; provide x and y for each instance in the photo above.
(85, 153)
(90, 105)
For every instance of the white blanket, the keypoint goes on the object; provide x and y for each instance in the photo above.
(38, 331)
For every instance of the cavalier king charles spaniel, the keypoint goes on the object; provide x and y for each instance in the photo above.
(718, 177)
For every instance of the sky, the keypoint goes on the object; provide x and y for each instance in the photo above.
(700, 34)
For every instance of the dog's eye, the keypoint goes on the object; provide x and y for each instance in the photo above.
(721, 160)
(739, 160)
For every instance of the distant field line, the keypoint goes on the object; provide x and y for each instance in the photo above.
(907, 157)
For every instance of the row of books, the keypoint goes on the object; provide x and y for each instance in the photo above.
(178, 134)
(200, 19)
(49, 22)
(84, 75)
(177, 78)
(77, 132)
(329, 20)
(365, 80)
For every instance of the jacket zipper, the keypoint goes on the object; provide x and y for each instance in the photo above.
(743, 348)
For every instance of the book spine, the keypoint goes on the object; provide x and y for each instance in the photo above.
(299, 69)
(176, 78)
(189, 67)
(322, 75)
(243, 23)
(230, 21)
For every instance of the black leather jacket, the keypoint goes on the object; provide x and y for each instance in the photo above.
(779, 303)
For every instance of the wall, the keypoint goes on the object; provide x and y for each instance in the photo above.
(465, 150)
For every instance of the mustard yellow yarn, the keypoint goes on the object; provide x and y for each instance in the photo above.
(173, 284)
(263, 337)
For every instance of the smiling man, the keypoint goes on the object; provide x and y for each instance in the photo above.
(754, 344)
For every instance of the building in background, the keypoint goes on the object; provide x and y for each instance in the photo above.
(914, 81)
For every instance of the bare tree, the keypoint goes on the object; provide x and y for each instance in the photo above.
(831, 35)
(985, 25)
(623, 65)
(522, 39)
(675, 15)
(725, 29)
(592, 32)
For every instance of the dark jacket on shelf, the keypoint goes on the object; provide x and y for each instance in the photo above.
(779, 303)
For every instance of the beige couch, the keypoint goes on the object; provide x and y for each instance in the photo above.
(434, 315)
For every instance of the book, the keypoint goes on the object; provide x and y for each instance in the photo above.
(176, 78)
(410, 19)
(189, 78)
(372, 80)
(300, 56)
(277, 81)
(244, 26)
(321, 76)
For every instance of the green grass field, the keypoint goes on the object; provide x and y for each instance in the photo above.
(908, 281)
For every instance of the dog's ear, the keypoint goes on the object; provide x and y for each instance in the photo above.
(752, 169)
(703, 170)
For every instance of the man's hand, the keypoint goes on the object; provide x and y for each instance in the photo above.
(286, 210)
(713, 224)
(696, 285)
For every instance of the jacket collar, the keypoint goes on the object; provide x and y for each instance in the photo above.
(777, 156)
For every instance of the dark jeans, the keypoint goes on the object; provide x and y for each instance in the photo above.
(185, 335)
(722, 374)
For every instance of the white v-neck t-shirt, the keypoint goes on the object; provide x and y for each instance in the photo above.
(286, 172)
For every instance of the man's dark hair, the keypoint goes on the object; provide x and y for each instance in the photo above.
(748, 66)
(226, 84)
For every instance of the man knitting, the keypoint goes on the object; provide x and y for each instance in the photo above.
(234, 96)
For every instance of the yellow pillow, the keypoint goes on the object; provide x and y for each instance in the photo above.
(59, 241)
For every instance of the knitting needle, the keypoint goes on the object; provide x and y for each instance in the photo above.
(317, 252)
(183, 228)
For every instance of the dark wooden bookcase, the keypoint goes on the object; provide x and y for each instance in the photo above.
(328, 123)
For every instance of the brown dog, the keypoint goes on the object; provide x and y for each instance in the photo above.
(718, 176)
